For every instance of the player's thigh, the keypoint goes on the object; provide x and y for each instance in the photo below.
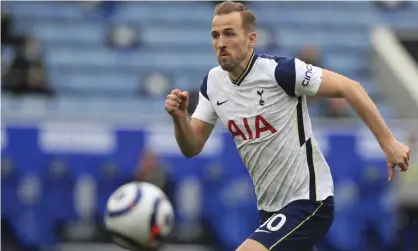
(297, 227)
(251, 245)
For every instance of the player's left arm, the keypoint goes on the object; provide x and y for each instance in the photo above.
(314, 81)
(334, 85)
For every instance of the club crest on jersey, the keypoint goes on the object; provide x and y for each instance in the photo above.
(253, 128)
(260, 93)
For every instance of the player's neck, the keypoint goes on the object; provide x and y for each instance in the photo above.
(236, 74)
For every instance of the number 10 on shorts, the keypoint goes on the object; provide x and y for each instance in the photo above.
(273, 224)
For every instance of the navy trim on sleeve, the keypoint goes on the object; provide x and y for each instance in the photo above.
(204, 87)
(285, 75)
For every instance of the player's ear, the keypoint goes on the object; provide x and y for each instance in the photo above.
(252, 38)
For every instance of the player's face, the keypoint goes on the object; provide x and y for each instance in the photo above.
(230, 41)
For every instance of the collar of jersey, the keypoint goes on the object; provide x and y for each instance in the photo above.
(246, 71)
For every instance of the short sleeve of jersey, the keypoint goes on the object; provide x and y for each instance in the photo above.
(204, 110)
(298, 78)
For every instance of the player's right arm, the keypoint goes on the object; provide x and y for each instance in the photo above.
(191, 134)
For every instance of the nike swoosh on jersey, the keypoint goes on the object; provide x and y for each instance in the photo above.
(221, 103)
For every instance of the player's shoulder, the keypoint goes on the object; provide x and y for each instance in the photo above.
(211, 78)
(276, 61)
(214, 76)
(216, 72)
(213, 73)
(284, 68)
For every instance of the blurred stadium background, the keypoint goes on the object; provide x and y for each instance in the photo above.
(83, 87)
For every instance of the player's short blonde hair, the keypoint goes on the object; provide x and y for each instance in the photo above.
(248, 17)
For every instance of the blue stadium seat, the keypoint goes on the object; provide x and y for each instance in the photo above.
(314, 5)
(119, 83)
(29, 104)
(307, 16)
(182, 36)
(70, 32)
(187, 12)
(47, 10)
(101, 105)
(322, 38)
(189, 81)
(347, 61)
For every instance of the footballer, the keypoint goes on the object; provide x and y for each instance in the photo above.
(261, 100)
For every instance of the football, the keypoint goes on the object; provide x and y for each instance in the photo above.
(139, 216)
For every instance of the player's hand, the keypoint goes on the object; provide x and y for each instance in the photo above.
(176, 103)
(397, 155)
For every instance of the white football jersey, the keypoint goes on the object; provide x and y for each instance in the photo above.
(266, 113)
